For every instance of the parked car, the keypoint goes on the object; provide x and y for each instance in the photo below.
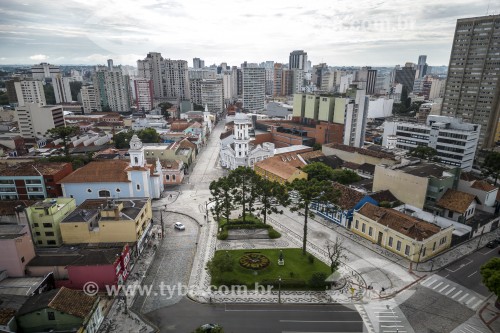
(209, 328)
(179, 226)
(491, 244)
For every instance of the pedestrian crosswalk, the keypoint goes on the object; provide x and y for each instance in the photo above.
(385, 317)
(454, 291)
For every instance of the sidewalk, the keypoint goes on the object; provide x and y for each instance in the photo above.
(441, 260)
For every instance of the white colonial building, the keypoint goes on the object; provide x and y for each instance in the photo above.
(236, 149)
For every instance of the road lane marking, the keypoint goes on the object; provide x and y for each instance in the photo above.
(459, 292)
(484, 254)
(441, 290)
(471, 299)
(437, 285)
(320, 321)
(459, 268)
(463, 297)
(472, 274)
(449, 291)
(429, 284)
(477, 304)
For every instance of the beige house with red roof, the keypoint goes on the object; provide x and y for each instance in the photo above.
(281, 169)
(407, 236)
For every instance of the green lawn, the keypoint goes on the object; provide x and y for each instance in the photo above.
(295, 274)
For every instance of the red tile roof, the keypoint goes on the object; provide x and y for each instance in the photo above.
(400, 222)
(348, 197)
(456, 201)
(483, 186)
(31, 169)
(73, 302)
(106, 171)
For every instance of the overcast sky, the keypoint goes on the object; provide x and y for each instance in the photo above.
(338, 32)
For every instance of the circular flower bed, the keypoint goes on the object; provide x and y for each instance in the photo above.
(254, 261)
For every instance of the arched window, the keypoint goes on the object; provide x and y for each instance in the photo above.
(173, 178)
(167, 177)
(136, 159)
(138, 187)
(104, 194)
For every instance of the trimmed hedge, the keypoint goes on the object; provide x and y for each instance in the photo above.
(273, 234)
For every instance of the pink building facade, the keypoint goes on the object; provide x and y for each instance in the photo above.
(16, 248)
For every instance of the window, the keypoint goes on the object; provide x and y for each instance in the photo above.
(398, 246)
(356, 224)
(167, 177)
(89, 190)
(390, 241)
(370, 231)
(442, 240)
(51, 242)
(434, 247)
(22, 259)
(173, 178)
(118, 190)
(363, 227)
(450, 213)
(138, 187)
(423, 251)
(37, 233)
(35, 225)
(407, 250)
(51, 315)
(47, 225)
(40, 242)
(49, 233)
(104, 194)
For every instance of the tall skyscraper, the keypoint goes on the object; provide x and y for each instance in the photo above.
(90, 100)
(422, 66)
(112, 89)
(298, 60)
(143, 94)
(29, 91)
(44, 71)
(472, 90)
(254, 88)
(150, 69)
(212, 95)
(62, 90)
(198, 63)
(35, 119)
(406, 76)
(176, 85)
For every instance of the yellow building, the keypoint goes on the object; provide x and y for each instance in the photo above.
(409, 237)
(282, 168)
(108, 221)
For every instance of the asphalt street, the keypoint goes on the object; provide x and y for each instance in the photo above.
(186, 315)
(466, 271)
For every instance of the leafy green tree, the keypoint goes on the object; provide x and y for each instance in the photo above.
(307, 192)
(75, 88)
(198, 107)
(50, 96)
(345, 177)
(271, 195)
(491, 165)
(164, 107)
(122, 139)
(423, 152)
(222, 192)
(319, 171)
(244, 181)
(317, 146)
(149, 135)
(318, 280)
(63, 133)
(4, 99)
(491, 276)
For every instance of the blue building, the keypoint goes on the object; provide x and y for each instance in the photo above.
(116, 178)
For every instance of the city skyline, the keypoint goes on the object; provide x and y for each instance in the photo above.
(334, 32)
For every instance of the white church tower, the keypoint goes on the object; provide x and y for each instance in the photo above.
(207, 120)
(136, 152)
(241, 137)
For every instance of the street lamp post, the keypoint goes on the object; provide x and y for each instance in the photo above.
(279, 290)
